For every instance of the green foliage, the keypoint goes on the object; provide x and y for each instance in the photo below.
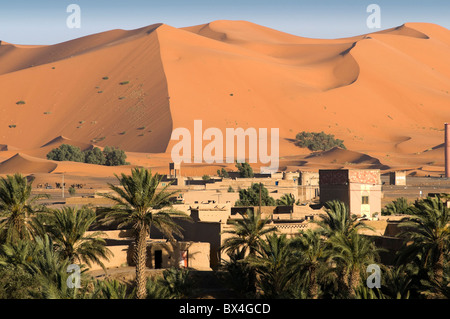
(427, 229)
(141, 204)
(222, 173)
(94, 156)
(179, 282)
(17, 205)
(286, 200)
(400, 206)
(235, 274)
(250, 196)
(230, 189)
(114, 156)
(68, 227)
(15, 283)
(20, 102)
(111, 289)
(45, 264)
(72, 190)
(157, 290)
(66, 152)
(318, 141)
(245, 170)
(206, 177)
(274, 265)
(110, 156)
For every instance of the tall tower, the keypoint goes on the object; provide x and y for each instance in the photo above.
(447, 150)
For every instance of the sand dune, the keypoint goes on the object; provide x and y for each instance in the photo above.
(26, 165)
(385, 94)
(57, 141)
(339, 155)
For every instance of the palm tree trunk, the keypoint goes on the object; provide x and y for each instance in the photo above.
(252, 275)
(313, 287)
(353, 283)
(439, 268)
(140, 258)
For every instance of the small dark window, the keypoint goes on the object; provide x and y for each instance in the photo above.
(365, 200)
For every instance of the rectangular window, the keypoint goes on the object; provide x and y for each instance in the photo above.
(365, 200)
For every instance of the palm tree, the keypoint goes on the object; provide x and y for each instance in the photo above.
(286, 200)
(274, 264)
(352, 253)
(178, 282)
(427, 236)
(157, 290)
(235, 274)
(246, 237)
(110, 289)
(313, 255)
(139, 203)
(16, 205)
(338, 220)
(44, 263)
(247, 233)
(68, 228)
(397, 207)
(397, 282)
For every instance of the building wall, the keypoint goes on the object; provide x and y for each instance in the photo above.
(334, 192)
(397, 178)
(197, 256)
(207, 232)
(357, 191)
(309, 178)
(205, 196)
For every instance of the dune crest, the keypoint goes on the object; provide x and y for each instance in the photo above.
(131, 89)
(57, 141)
(26, 165)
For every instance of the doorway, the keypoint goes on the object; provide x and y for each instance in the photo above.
(158, 259)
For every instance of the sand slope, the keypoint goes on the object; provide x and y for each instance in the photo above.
(386, 94)
(26, 165)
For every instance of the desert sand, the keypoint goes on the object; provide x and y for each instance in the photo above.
(386, 94)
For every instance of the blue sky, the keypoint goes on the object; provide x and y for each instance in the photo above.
(44, 21)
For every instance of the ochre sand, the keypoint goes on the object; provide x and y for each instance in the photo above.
(386, 94)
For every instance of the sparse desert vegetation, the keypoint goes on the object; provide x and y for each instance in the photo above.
(110, 156)
(318, 141)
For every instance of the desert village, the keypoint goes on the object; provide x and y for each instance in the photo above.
(132, 89)
(211, 205)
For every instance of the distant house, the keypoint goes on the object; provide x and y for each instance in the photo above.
(360, 189)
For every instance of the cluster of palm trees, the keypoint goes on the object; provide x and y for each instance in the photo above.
(40, 244)
(331, 260)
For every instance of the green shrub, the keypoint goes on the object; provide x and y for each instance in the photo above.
(72, 190)
(222, 173)
(94, 156)
(110, 156)
(66, 152)
(20, 102)
(245, 170)
(206, 177)
(250, 196)
(16, 283)
(318, 141)
(124, 82)
(114, 156)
